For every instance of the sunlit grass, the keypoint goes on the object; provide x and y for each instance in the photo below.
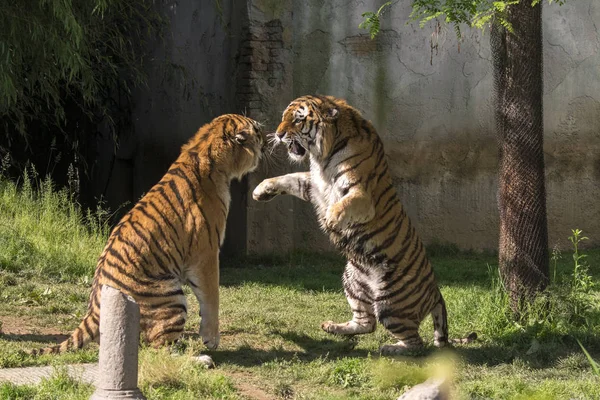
(271, 309)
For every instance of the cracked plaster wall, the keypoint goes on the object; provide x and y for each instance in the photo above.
(434, 111)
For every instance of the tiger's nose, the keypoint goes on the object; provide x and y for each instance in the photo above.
(280, 135)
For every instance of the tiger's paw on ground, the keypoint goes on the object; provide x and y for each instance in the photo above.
(400, 348)
(347, 328)
(211, 341)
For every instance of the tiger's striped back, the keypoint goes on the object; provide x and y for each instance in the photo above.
(172, 237)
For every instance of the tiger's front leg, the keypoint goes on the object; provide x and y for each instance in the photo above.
(355, 207)
(296, 184)
(204, 282)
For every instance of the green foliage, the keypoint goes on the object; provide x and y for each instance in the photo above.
(348, 372)
(371, 22)
(43, 231)
(582, 281)
(595, 366)
(54, 48)
(474, 13)
(67, 66)
(165, 376)
(566, 306)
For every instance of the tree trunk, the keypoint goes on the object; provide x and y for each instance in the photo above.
(523, 247)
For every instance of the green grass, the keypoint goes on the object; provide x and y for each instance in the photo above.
(271, 309)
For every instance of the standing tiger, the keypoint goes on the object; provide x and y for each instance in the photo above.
(388, 277)
(172, 236)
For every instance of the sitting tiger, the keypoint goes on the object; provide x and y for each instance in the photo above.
(172, 236)
(388, 277)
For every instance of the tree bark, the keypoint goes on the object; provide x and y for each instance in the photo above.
(518, 63)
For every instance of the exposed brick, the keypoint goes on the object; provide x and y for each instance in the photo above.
(274, 44)
(251, 60)
(247, 81)
(277, 74)
(249, 44)
(261, 52)
(260, 67)
(274, 23)
(275, 67)
(252, 74)
(248, 96)
(275, 52)
(258, 35)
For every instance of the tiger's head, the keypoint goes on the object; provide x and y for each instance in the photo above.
(245, 138)
(304, 125)
(234, 142)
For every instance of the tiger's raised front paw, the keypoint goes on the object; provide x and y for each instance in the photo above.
(265, 191)
(336, 218)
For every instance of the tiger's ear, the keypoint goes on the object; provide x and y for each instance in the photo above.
(240, 137)
(330, 113)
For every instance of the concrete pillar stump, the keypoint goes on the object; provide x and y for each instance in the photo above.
(119, 345)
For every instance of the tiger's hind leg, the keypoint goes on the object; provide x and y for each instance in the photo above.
(163, 318)
(359, 297)
(404, 329)
(440, 324)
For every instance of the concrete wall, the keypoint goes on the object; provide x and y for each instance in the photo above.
(432, 107)
(434, 111)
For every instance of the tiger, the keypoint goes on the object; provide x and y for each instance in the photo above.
(172, 237)
(388, 277)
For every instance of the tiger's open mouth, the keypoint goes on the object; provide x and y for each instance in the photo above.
(296, 148)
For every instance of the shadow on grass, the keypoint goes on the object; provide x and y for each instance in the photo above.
(307, 271)
(523, 348)
(312, 349)
(247, 356)
(30, 337)
(549, 351)
(298, 270)
(323, 271)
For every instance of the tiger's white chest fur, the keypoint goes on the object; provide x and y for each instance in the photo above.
(324, 191)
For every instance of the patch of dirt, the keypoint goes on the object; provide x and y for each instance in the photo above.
(248, 387)
(25, 328)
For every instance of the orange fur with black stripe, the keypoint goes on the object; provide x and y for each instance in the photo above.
(388, 277)
(172, 236)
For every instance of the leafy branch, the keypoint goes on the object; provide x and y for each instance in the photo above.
(473, 13)
(53, 52)
(372, 22)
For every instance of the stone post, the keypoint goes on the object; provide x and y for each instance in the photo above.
(119, 343)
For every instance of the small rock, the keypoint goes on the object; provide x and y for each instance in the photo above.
(205, 360)
(431, 389)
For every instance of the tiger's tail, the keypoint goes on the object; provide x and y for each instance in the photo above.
(87, 331)
(440, 326)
